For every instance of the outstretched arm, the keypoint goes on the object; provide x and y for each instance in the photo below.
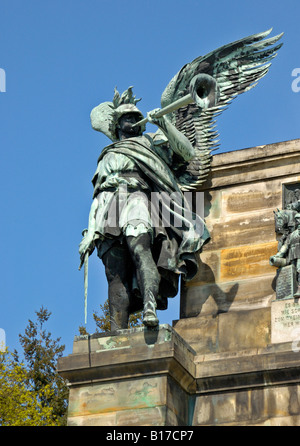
(281, 254)
(283, 251)
(178, 142)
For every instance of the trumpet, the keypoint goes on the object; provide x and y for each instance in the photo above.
(203, 90)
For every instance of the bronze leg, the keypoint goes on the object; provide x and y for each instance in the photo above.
(117, 270)
(147, 275)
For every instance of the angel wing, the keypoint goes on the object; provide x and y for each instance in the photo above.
(236, 67)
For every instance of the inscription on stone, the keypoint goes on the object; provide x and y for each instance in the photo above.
(286, 285)
(285, 320)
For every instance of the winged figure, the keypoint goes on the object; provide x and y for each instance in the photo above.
(236, 68)
(146, 247)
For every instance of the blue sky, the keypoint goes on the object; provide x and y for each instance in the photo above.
(61, 58)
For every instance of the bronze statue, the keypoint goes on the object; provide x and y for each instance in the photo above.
(284, 223)
(289, 253)
(141, 220)
(287, 258)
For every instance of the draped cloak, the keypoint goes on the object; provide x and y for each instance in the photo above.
(292, 244)
(141, 191)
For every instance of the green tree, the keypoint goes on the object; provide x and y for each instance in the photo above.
(20, 404)
(103, 322)
(41, 353)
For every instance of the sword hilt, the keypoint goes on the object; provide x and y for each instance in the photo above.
(84, 232)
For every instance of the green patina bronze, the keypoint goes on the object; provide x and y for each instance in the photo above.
(146, 247)
(287, 258)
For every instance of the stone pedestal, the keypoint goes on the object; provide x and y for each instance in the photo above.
(254, 387)
(153, 378)
(137, 377)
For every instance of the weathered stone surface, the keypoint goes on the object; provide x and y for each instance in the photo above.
(255, 164)
(231, 331)
(200, 332)
(114, 396)
(252, 198)
(135, 376)
(153, 416)
(243, 190)
(258, 386)
(246, 261)
(209, 268)
(221, 297)
(178, 403)
(240, 330)
(241, 229)
(250, 386)
(268, 406)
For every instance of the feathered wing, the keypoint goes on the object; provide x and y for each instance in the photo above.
(236, 67)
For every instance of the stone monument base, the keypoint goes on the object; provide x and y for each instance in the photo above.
(142, 377)
(135, 377)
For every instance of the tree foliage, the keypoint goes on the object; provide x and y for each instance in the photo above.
(102, 320)
(20, 403)
(31, 391)
(41, 353)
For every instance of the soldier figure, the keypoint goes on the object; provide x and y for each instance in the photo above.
(142, 261)
(290, 252)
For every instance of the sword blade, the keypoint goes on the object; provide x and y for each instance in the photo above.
(86, 269)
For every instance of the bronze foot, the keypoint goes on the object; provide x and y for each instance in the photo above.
(150, 318)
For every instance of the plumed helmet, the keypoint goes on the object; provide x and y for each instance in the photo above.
(128, 108)
(105, 117)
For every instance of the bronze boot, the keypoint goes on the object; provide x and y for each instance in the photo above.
(297, 294)
(150, 318)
